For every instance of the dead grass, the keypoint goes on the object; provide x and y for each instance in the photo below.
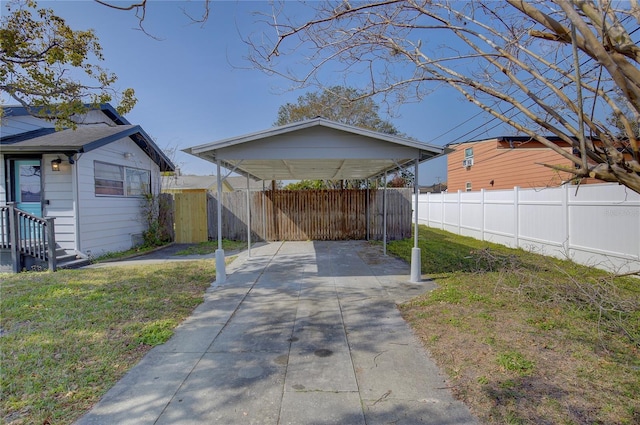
(529, 339)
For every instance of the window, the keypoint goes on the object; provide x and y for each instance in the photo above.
(138, 182)
(468, 153)
(109, 179)
(29, 183)
(116, 180)
(468, 187)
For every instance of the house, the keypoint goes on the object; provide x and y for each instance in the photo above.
(91, 181)
(188, 183)
(239, 184)
(434, 188)
(503, 163)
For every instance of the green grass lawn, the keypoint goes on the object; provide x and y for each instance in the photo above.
(210, 247)
(528, 339)
(68, 336)
(523, 338)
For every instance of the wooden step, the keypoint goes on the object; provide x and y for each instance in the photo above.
(72, 262)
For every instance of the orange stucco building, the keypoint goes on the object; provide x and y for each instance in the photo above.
(504, 162)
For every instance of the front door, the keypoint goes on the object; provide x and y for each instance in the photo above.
(27, 186)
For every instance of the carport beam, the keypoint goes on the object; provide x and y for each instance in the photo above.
(221, 272)
(416, 258)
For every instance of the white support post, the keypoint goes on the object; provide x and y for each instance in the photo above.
(566, 235)
(368, 210)
(416, 257)
(221, 272)
(384, 215)
(264, 212)
(248, 218)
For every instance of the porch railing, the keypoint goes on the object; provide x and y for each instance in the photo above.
(25, 234)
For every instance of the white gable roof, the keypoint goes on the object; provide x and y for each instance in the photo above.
(315, 149)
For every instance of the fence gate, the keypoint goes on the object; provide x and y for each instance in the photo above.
(190, 217)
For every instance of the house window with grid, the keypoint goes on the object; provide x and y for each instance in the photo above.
(116, 180)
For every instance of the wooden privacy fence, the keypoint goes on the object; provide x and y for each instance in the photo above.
(298, 215)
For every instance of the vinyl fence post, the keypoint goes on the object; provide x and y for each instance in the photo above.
(516, 216)
(482, 224)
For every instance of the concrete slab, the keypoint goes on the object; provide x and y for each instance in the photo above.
(313, 408)
(300, 333)
(388, 368)
(142, 394)
(322, 368)
(249, 337)
(229, 388)
(409, 412)
(192, 337)
(267, 310)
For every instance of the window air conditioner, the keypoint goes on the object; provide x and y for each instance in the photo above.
(467, 162)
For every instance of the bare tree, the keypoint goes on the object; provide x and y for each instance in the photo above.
(139, 7)
(566, 68)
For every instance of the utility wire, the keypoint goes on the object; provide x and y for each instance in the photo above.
(483, 125)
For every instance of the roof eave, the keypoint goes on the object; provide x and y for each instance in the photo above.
(144, 142)
(110, 111)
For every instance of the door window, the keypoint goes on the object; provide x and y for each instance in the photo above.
(29, 183)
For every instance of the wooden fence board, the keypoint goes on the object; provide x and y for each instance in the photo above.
(312, 215)
(190, 217)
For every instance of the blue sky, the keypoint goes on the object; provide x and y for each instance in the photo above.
(194, 86)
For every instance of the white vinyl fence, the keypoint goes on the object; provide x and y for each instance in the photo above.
(597, 225)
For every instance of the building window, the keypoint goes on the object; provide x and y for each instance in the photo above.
(138, 182)
(468, 153)
(116, 180)
(468, 187)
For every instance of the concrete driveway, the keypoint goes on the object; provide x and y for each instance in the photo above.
(301, 333)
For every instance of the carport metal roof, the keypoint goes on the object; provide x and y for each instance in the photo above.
(315, 149)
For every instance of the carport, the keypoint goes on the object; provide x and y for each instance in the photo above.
(315, 149)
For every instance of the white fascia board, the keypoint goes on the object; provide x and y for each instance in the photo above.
(195, 150)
